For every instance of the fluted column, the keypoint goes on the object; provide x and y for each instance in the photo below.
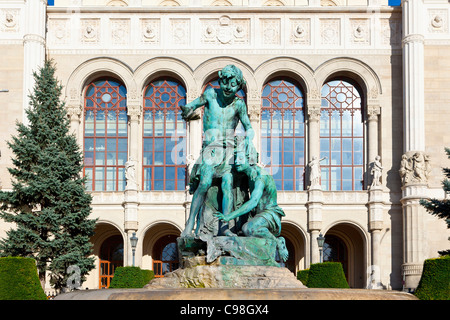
(33, 46)
(415, 163)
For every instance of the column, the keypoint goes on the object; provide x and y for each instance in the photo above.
(375, 227)
(132, 170)
(414, 183)
(33, 46)
(315, 194)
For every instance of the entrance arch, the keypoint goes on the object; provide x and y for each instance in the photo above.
(160, 252)
(347, 243)
(109, 249)
(296, 244)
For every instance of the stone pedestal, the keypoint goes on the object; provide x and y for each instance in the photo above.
(227, 262)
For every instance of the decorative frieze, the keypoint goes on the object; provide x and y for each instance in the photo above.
(130, 31)
(415, 168)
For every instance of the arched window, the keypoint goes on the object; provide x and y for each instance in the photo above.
(283, 133)
(105, 135)
(164, 145)
(165, 255)
(341, 137)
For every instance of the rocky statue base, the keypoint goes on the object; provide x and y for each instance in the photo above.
(227, 262)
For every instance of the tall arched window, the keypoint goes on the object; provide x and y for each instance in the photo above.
(164, 145)
(341, 137)
(283, 133)
(105, 135)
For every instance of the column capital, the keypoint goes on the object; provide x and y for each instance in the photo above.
(373, 111)
(254, 111)
(74, 111)
(313, 111)
(134, 110)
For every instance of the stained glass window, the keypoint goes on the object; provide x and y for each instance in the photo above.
(283, 133)
(164, 136)
(105, 135)
(341, 137)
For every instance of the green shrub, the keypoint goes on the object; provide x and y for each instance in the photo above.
(302, 275)
(326, 275)
(127, 277)
(148, 275)
(435, 281)
(19, 279)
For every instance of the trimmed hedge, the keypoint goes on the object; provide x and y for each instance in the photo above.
(435, 281)
(302, 275)
(148, 275)
(326, 275)
(19, 279)
(131, 277)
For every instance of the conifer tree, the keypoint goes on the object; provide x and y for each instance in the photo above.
(441, 208)
(48, 205)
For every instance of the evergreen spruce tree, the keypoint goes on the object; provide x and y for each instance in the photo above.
(48, 204)
(441, 208)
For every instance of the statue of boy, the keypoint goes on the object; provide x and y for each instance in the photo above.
(222, 113)
(265, 220)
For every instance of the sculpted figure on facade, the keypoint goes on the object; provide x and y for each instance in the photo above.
(376, 172)
(415, 169)
(130, 174)
(314, 171)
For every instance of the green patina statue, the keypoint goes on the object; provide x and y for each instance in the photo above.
(234, 206)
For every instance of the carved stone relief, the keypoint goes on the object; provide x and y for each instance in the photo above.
(180, 31)
(300, 31)
(330, 31)
(120, 31)
(59, 31)
(360, 31)
(225, 31)
(10, 20)
(415, 168)
(391, 31)
(150, 31)
(271, 31)
(438, 21)
(90, 30)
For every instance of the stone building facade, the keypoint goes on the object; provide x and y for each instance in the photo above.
(346, 81)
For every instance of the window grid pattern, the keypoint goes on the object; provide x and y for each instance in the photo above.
(283, 134)
(164, 136)
(341, 137)
(105, 136)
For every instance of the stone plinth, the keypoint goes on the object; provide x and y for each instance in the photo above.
(227, 276)
(236, 294)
